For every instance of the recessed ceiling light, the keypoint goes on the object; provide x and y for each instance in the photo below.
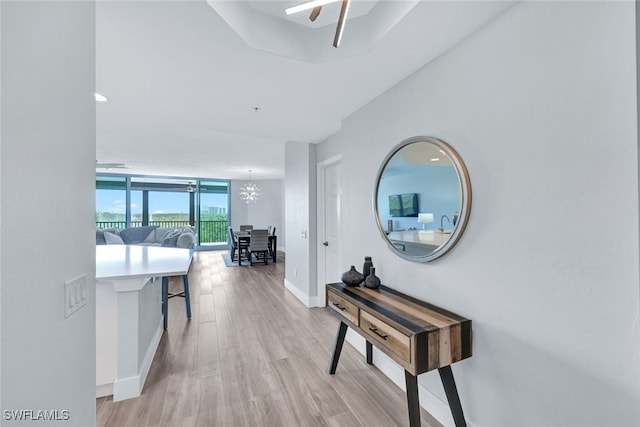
(100, 98)
(435, 159)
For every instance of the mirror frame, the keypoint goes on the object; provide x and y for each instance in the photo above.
(465, 190)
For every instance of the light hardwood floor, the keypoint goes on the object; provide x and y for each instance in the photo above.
(254, 355)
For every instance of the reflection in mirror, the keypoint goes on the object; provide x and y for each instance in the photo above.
(422, 198)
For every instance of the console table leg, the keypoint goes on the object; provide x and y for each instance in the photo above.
(413, 402)
(369, 353)
(342, 331)
(450, 389)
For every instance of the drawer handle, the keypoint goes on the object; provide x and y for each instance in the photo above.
(375, 331)
(339, 306)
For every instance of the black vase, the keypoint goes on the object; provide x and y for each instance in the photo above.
(372, 281)
(366, 268)
(352, 277)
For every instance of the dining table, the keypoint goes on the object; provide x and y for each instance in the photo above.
(246, 236)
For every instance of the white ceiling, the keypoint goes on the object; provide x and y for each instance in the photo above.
(183, 84)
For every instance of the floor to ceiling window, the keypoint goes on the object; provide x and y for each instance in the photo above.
(169, 208)
(111, 202)
(213, 215)
(133, 201)
(136, 208)
(163, 202)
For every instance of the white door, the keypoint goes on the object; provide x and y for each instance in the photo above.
(329, 205)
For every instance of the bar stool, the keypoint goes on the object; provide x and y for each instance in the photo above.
(166, 295)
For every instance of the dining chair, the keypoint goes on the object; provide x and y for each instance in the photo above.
(243, 248)
(259, 246)
(272, 232)
(246, 227)
(234, 244)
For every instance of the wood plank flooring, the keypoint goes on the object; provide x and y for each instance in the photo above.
(254, 355)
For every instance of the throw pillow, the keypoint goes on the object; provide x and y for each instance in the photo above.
(185, 240)
(135, 235)
(151, 238)
(112, 239)
(170, 241)
(171, 238)
(162, 233)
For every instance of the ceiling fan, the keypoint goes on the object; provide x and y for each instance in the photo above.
(316, 8)
(105, 165)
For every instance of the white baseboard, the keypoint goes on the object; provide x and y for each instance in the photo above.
(104, 390)
(126, 388)
(429, 401)
(306, 299)
(316, 302)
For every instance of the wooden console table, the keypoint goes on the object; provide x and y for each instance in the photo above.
(415, 334)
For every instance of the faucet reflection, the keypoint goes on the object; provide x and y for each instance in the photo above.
(442, 222)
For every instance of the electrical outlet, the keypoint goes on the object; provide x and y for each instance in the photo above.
(75, 295)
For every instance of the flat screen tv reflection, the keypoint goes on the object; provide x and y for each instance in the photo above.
(403, 205)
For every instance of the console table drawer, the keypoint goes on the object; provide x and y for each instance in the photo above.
(387, 336)
(344, 308)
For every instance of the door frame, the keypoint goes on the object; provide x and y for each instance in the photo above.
(320, 219)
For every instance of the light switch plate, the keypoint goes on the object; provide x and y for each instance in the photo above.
(75, 295)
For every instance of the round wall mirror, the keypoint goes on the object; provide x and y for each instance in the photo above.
(422, 198)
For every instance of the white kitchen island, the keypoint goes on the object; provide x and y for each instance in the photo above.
(129, 320)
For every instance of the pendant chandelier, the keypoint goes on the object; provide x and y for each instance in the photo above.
(249, 192)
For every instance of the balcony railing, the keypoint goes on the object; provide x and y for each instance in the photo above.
(213, 232)
(110, 224)
(208, 232)
(166, 224)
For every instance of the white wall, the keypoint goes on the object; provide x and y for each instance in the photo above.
(47, 154)
(1, 198)
(300, 213)
(269, 210)
(541, 105)
(239, 208)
